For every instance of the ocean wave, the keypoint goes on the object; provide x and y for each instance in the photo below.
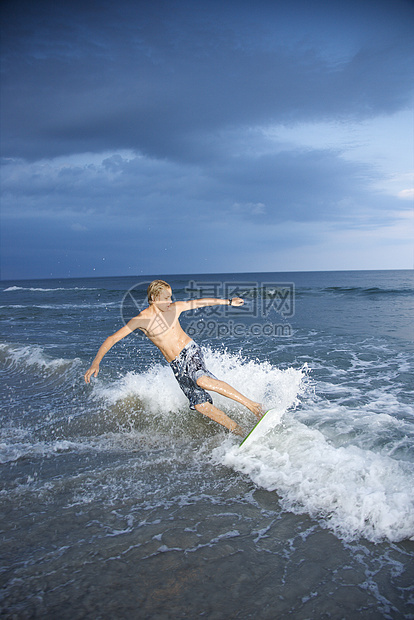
(13, 307)
(33, 356)
(353, 491)
(12, 289)
(68, 306)
(284, 289)
(367, 291)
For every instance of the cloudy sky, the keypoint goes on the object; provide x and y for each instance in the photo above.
(203, 136)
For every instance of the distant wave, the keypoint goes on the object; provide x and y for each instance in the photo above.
(269, 292)
(11, 289)
(355, 291)
(68, 306)
(369, 291)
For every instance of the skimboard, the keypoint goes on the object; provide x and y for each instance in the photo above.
(270, 419)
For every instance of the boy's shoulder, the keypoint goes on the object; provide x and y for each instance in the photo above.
(145, 313)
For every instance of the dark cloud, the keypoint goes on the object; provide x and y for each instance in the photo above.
(297, 185)
(158, 77)
(134, 134)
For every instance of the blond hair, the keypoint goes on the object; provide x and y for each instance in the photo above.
(155, 289)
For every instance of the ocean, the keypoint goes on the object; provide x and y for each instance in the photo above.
(118, 501)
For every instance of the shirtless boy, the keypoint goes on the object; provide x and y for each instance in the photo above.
(160, 322)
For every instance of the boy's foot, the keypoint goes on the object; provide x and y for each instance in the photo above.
(258, 410)
(238, 431)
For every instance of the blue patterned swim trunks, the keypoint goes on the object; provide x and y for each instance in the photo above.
(187, 367)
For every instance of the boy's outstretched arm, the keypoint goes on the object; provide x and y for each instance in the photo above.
(210, 301)
(108, 344)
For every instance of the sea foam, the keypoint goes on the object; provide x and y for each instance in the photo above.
(355, 492)
(158, 390)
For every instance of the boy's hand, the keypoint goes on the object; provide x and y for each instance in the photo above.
(237, 301)
(93, 370)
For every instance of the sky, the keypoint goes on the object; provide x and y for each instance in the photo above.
(205, 136)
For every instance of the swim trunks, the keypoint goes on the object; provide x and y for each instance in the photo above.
(187, 367)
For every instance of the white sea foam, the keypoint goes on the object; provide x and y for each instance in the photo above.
(156, 389)
(355, 492)
(159, 392)
(260, 381)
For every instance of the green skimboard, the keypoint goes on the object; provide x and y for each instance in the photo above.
(271, 418)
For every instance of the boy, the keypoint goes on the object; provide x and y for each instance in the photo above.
(160, 322)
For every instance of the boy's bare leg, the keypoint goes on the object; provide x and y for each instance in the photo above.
(223, 388)
(218, 416)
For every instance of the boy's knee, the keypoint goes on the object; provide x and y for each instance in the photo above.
(204, 382)
(199, 407)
